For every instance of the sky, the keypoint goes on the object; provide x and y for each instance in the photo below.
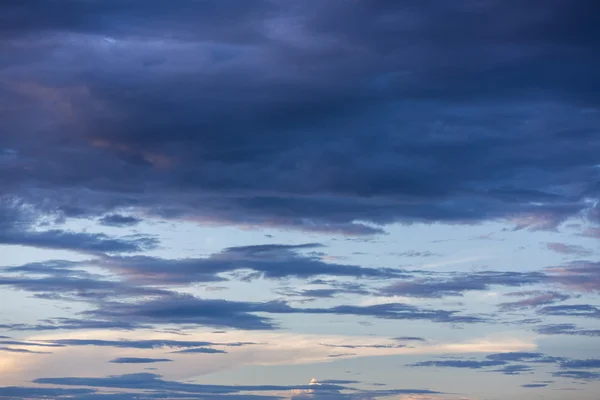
(299, 200)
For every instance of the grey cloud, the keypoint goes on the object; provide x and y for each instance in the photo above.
(534, 385)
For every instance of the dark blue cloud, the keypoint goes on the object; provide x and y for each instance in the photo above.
(534, 385)
(406, 120)
(139, 360)
(118, 220)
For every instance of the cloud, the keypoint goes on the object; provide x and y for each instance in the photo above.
(577, 310)
(186, 309)
(14, 392)
(70, 281)
(200, 350)
(142, 121)
(581, 364)
(139, 360)
(359, 346)
(62, 323)
(118, 220)
(501, 360)
(514, 369)
(566, 329)
(148, 381)
(414, 253)
(274, 261)
(470, 364)
(456, 284)
(534, 385)
(409, 339)
(13, 350)
(536, 299)
(29, 343)
(20, 223)
(570, 249)
(583, 276)
(583, 375)
(523, 357)
(195, 345)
